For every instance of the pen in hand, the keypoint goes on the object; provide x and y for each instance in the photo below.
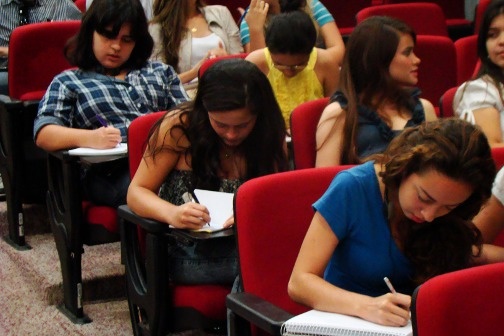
(101, 120)
(190, 196)
(389, 285)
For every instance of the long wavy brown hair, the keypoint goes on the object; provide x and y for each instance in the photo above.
(460, 151)
(172, 15)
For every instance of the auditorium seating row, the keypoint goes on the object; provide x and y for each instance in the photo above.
(75, 222)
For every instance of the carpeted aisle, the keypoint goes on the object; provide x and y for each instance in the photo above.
(30, 286)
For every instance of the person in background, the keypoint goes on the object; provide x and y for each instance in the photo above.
(480, 100)
(259, 14)
(231, 132)
(376, 98)
(297, 71)
(406, 215)
(91, 106)
(187, 32)
(15, 13)
(146, 4)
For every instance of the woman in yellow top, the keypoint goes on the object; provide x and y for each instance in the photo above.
(297, 71)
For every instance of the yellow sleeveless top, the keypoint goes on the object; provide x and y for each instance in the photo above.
(290, 92)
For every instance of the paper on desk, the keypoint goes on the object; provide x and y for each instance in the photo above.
(219, 205)
(122, 148)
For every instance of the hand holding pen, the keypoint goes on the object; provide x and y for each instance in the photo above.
(191, 214)
(106, 136)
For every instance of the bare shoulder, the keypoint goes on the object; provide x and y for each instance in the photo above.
(332, 111)
(258, 58)
(430, 112)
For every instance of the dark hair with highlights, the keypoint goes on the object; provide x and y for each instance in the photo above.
(101, 16)
(229, 85)
(460, 151)
(365, 76)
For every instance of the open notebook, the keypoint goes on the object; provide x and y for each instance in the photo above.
(318, 323)
(121, 148)
(219, 205)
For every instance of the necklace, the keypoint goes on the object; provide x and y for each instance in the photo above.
(194, 30)
(227, 155)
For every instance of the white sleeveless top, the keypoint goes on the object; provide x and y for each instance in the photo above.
(201, 45)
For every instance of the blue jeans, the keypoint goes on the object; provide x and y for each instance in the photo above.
(107, 183)
(4, 88)
(207, 261)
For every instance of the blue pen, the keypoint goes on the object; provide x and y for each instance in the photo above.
(102, 121)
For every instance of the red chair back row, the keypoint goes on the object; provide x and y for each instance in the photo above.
(466, 302)
(45, 57)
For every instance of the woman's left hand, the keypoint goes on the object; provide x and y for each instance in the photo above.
(229, 222)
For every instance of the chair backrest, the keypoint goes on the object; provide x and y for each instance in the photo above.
(81, 4)
(479, 13)
(453, 10)
(438, 68)
(425, 18)
(466, 302)
(303, 125)
(138, 132)
(272, 215)
(344, 12)
(36, 56)
(209, 62)
(446, 103)
(466, 50)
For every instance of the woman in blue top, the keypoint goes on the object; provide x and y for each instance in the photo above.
(406, 216)
(376, 99)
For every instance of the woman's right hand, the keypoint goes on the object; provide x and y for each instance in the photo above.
(190, 215)
(106, 137)
(389, 309)
(256, 14)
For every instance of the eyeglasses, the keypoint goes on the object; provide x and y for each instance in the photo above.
(298, 67)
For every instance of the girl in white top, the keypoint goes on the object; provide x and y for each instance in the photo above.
(186, 32)
(481, 100)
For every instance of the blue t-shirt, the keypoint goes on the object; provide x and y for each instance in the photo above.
(320, 14)
(366, 253)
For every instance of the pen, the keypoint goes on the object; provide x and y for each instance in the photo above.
(102, 121)
(193, 197)
(389, 285)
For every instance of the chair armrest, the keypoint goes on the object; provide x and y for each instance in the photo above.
(258, 312)
(156, 227)
(148, 225)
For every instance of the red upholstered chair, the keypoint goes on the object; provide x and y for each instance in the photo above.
(207, 63)
(303, 125)
(272, 215)
(466, 50)
(466, 302)
(438, 69)
(344, 12)
(81, 4)
(454, 12)
(446, 103)
(424, 18)
(156, 305)
(35, 57)
(478, 15)
(75, 222)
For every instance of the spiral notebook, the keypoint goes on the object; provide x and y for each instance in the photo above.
(318, 323)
